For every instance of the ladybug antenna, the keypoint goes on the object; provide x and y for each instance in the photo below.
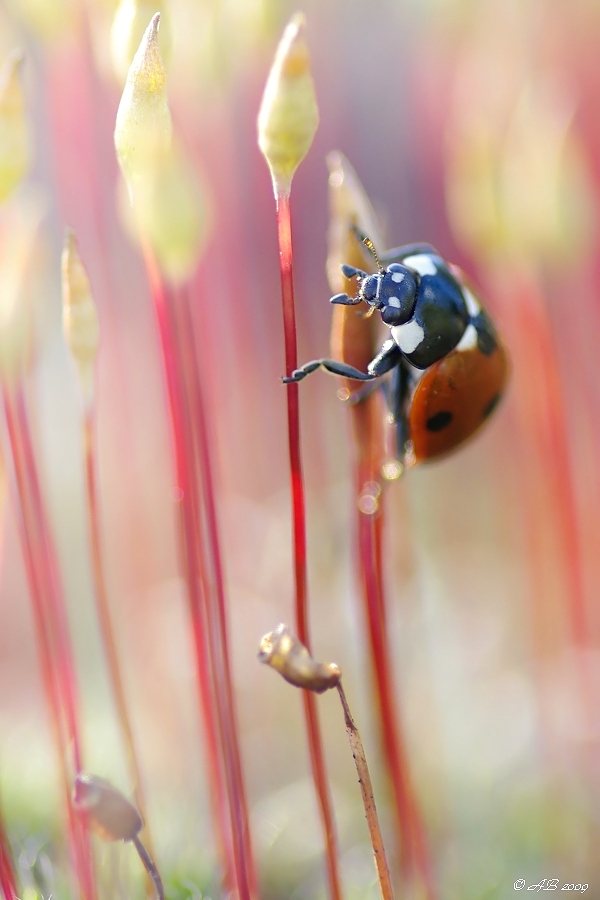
(369, 245)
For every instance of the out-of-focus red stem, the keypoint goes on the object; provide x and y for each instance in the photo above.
(106, 627)
(413, 844)
(8, 881)
(315, 742)
(50, 619)
(219, 644)
(210, 682)
(54, 593)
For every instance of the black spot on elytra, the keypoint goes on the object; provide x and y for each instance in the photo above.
(439, 421)
(491, 406)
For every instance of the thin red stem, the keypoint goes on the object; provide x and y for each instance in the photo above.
(55, 657)
(413, 843)
(54, 596)
(210, 682)
(105, 620)
(315, 743)
(8, 881)
(220, 645)
(207, 548)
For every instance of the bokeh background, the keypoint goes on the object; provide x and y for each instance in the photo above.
(473, 126)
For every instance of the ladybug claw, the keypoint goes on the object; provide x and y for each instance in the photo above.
(345, 300)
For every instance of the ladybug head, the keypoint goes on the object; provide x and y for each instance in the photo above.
(392, 291)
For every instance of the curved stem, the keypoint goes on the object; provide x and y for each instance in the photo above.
(150, 868)
(366, 789)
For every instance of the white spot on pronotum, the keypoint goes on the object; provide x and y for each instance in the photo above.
(408, 336)
(397, 277)
(394, 301)
(469, 339)
(473, 307)
(422, 263)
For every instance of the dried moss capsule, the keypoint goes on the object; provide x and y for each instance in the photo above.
(282, 650)
(109, 811)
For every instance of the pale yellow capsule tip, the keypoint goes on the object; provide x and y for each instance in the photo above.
(143, 128)
(289, 115)
(15, 147)
(80, 319)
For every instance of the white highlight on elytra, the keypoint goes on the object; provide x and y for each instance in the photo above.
(469, 339)
(473, 307)
(393, 301)
(422, 263)
(397, 277)
(408, 336)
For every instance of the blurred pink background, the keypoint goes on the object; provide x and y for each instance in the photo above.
(473, 126)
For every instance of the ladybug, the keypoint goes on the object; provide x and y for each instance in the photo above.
(448, 369)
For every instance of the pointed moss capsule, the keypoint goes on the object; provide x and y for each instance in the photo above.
(19, 267)
(80, 319)
(108, 810)
(129, 23)
(288, 116)
(282, 650)
(143, 128)
(15, 147)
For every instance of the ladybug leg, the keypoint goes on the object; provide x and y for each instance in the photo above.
(398, 394)
(331, 365)
(387, 359)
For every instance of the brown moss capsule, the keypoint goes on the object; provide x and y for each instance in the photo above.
(108, 810)
(282, 650)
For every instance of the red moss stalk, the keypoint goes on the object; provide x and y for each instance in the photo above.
(210, 651)
(58, 674)
(413, 844)
(287, 122)
(8, 881)
(104, 616)
(216, 596)
(315, 743)
(353, 339)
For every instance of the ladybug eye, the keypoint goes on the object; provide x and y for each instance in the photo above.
(370, 288)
